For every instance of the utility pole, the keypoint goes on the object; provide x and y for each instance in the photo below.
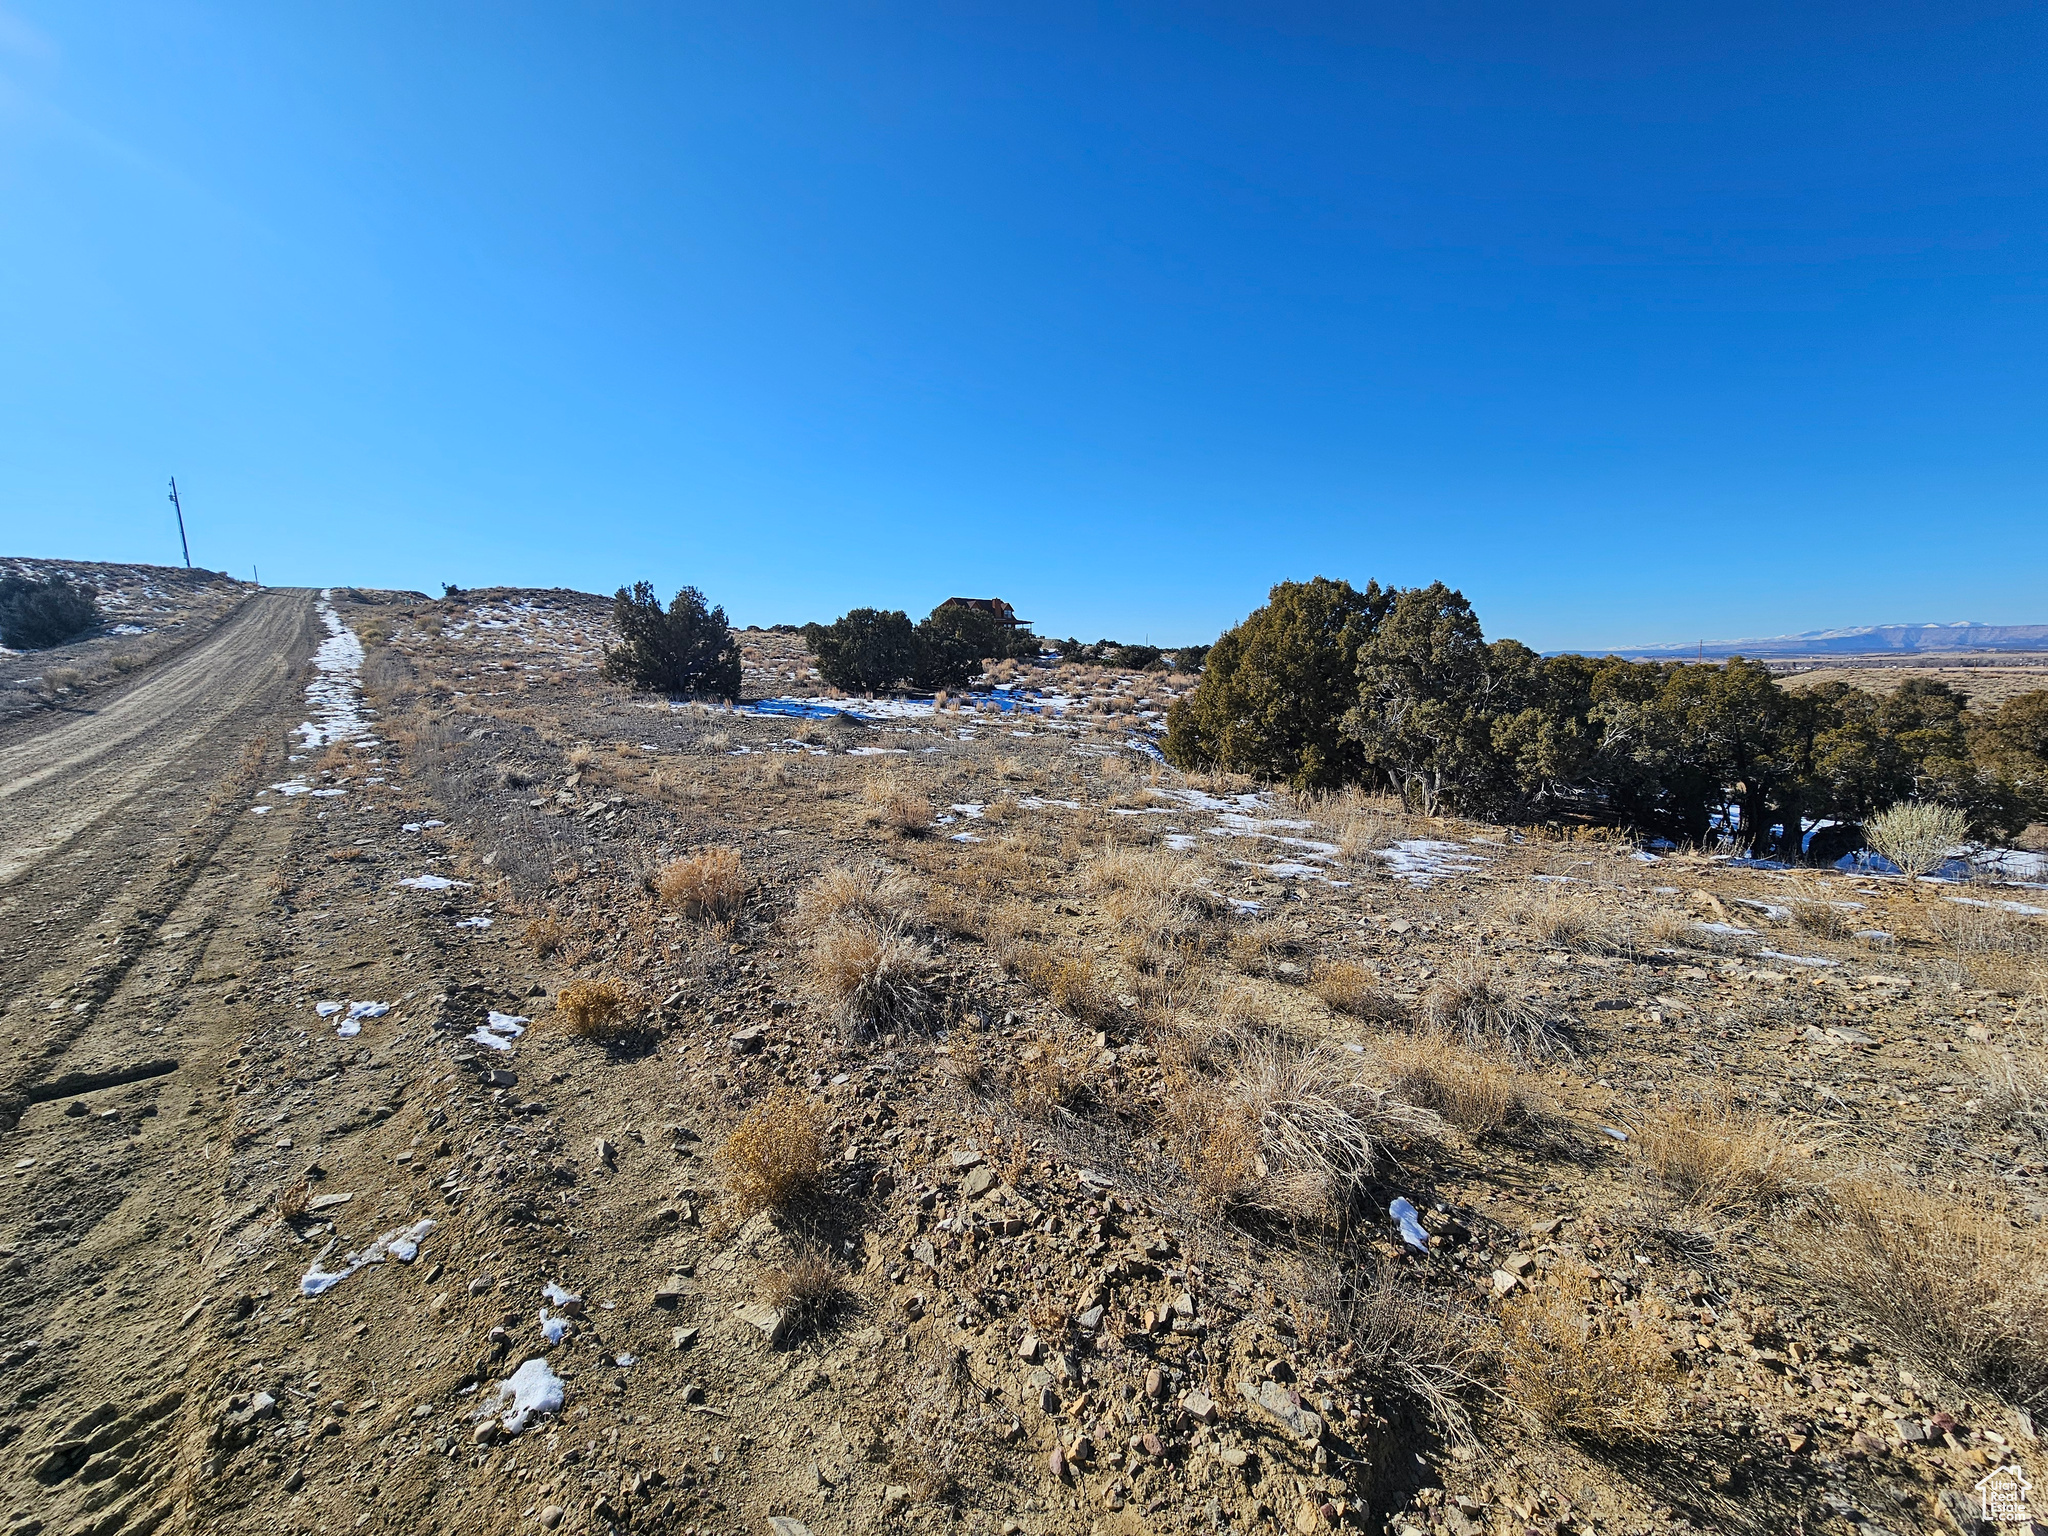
(181, 523)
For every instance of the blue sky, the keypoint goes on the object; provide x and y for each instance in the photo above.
(1637, 323)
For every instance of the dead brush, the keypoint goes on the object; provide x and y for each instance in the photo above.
(707, 884)
(869, 893)
(1954, 1288)
(889, 805)
(775, 1154)
(1713, 1163)
(1346, 987)
(1289, 1128)
(808, 1289)
(345, 855)
(598, 1010)
(877, 978)
(1481, 1095)
(1579, 1370)
(292, 1200)
(1473, 1004)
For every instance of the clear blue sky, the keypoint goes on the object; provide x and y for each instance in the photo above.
(1637, 322)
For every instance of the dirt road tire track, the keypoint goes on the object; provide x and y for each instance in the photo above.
(128, 871)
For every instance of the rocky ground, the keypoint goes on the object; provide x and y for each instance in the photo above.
(1004, 1136)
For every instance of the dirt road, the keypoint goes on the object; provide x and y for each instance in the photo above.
(125, 852)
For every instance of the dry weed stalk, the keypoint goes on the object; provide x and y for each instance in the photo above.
(1959, 1290)
(776, 1153)
(597, 1010)
(706, 884)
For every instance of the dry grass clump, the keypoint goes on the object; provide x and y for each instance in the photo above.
(889, 804)
(1050, 1071)
(547, 934)
(1251, 948)
(876, 977)
(1280, 1126)
(597, 1010)
(1473, 1004)
(1718, 1163)
(1069, 982)
(1359, 837)
(345, 855)
(2002, 951)
(1434, 1350)
(1480, 1094)
(1558, 918)
(1580, 1370)
(871, 893)
(808, 1289)
(776, 1153)
(1966, 928)
(292, 1199)
(1673, 929)
(707, 884)
(1350, 988)
(1823, 919)
(2015, 1099)
(1954, 1288)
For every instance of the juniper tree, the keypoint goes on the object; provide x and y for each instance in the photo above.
(687, 651)
(37, 614)
(1274, 689)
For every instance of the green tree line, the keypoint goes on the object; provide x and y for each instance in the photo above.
(1327, 685)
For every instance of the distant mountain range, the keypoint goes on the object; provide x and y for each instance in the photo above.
(1870, 640)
